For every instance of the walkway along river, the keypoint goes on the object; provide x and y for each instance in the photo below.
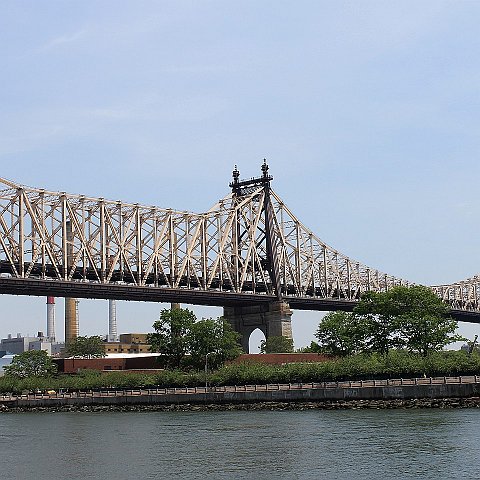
(391, 390)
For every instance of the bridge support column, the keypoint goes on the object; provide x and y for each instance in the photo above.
(274, 320)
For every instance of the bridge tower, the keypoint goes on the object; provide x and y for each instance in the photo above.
(274, 319)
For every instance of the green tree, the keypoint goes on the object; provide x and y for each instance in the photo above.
(33, 363)
(170, 336)
(276, 345)
(341, 334)
(214, 338)
(86, 347)
(423, 319)
(410, 317)
(314, 347)
(379, 316)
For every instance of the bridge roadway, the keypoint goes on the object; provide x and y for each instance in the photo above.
(118, 291)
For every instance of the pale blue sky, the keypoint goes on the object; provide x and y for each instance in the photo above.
(367, 112)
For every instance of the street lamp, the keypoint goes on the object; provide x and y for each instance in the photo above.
(206, 370)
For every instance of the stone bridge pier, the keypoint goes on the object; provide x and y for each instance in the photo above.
(274, 320)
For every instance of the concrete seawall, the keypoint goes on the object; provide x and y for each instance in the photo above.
(248, 394)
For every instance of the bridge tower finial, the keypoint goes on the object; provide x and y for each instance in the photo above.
(265, 168)
(235, 174)
(243, 187)
(236, 180)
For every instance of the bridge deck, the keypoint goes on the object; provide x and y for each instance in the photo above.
(61, 288)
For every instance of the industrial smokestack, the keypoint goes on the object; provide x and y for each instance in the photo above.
(71, 307)
(112, 321)
(51, 318)
(71, 323)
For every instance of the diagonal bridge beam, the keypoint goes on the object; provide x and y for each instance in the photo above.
(248, 249)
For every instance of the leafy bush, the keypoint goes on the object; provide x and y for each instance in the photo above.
(396, 364)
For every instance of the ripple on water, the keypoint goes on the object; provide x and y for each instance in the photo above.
(313, 444)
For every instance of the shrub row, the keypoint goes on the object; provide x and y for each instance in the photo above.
(396, 364)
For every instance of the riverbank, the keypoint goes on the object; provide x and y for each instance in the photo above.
(441, 392)
(473, 402)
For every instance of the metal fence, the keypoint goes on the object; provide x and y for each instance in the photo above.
(246, 388)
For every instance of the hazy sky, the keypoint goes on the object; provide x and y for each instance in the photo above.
(368, 113)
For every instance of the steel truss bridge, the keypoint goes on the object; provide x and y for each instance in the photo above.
(248, 249)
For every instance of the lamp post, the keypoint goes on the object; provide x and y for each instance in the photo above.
(472, 345)
(206, 370)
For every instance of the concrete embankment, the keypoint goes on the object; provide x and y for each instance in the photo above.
(464, 392)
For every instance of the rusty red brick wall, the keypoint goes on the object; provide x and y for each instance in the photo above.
(72, 365)
(141, 363)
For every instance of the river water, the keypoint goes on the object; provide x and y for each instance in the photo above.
(313, 444)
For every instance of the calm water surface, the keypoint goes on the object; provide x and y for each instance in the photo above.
(360, 444)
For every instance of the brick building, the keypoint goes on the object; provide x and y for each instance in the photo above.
(129, 343)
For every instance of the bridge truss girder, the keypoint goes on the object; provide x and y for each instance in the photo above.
(248, 244)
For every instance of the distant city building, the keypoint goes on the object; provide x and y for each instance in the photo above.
(52, 348)
(129, 343)
(133, 338)
(41, 344)
(118, 347)
(19, 344)
(4, 361)
(16, 344)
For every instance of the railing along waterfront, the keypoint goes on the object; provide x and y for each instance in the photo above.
(464, 379)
